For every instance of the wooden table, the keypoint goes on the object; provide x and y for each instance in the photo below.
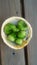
(28, 10)
(9, 56)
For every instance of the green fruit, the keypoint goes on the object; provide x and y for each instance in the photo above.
(7, 28)
(22, 28)
(11, 37)
(21, 34)
(20, 22)
(14, 28)
(18, 41)
(22, 25)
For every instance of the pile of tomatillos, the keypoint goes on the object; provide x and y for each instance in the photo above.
(16, 33)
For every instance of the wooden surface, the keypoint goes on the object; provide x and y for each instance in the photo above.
(10, 8)
(31, 16)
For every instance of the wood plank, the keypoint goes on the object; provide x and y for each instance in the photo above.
(10, 8)
(9, 59)
(31, 16)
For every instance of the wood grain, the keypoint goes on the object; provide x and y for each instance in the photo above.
(31, 16)
(10, 8)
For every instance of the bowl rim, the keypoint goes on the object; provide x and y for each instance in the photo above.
(12, 18)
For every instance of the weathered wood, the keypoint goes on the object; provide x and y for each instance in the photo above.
(31, 16)
(9, 59)
(10, 8)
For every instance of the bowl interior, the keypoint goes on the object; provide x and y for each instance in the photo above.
(14, 20)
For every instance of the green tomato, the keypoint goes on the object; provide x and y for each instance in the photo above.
(21, 34)
(18, 41)
(11, 37)
(14, 28)
(22, 25)
(20, 22)
(22, 28)
(7, 28)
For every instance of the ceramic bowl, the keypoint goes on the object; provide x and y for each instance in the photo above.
(15, 20)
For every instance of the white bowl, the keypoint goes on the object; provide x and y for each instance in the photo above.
(15, 20)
